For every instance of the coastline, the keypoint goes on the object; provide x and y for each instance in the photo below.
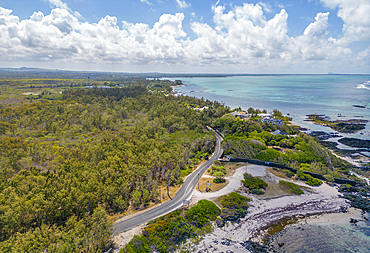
(264, 212)
(339, 232)
(245, 93)
(324, 202)
(317, 206)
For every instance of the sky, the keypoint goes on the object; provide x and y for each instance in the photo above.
(187, 36)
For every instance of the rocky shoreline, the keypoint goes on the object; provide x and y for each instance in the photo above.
(355, 143)
(244, 236)
(342, 126)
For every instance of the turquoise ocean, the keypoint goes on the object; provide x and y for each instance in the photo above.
(336, 96)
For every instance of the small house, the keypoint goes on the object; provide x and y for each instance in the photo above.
(241, 115)
(269, 120)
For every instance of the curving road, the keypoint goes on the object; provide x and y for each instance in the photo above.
(184, 193)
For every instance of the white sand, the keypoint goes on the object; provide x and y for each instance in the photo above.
(125, 237)
(335, 218)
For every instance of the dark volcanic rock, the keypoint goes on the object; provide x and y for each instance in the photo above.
(345, 127)
(323, 135)
(358, 202)
(355, 143)
(230, 215)
(254, 247)
(357, 195)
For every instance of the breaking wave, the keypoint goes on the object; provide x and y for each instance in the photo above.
(365, 85)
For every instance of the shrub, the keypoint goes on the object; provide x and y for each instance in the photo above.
(330, 178)
(302, 175)
(203, 213)
(251, 182)
(232, 215)
(308, 178)
(217, 169)
(219, 177)
(234, 201)
(294, 189)
(219, 180)
(314, 182)
(234, 207)
(289, 173)
(138, 244)
(257, 191)
(164, 234)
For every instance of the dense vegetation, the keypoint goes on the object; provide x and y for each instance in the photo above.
(234, 207)
(255, 140)
(167, 232)
(62, 154)
(90, 233)
(219, 171)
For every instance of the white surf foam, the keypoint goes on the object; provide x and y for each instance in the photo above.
(365, 85)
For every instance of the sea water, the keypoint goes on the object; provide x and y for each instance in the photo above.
(337, 96)
(336, 235)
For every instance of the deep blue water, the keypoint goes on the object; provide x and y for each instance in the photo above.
(298, 95)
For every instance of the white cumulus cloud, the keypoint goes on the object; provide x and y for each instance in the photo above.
(58, 4)
(62, 5)
(242, 37)
(356, 18)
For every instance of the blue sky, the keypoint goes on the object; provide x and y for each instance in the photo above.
(303, 36)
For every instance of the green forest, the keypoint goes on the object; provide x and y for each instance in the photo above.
(67, 160)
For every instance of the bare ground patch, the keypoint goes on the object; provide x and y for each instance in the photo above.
(10, 101)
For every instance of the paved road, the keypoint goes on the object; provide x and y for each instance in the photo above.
(184, 193)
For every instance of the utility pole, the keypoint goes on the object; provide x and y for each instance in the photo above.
(168, 186)
(198, 182)
(160, 196)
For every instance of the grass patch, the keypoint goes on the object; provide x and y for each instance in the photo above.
(214, 186)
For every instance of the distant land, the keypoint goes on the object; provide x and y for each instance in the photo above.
(99, 75)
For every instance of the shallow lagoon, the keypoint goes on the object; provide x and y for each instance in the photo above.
(325, 233)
